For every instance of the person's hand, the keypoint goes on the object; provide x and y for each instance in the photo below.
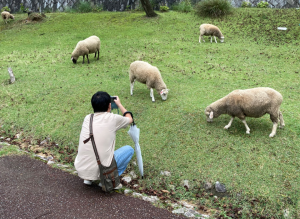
(117, 101)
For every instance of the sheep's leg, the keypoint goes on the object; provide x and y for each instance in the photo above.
(131, 88)
(87, 56)
(95, 54)
(98, 54)
(281, 120)
(215, 39)
(151, 95)
(83, 59)
(273, 133)
(229, 124)
(247, 127)
(210, 39)
(201, 38)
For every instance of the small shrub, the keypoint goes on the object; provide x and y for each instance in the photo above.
(84, 7)
(47, 10)
(6, 8)
(164, 8)
(23, 9)
(69, 9)
(262, 4)
(213, 8)
(97, 8)
(246, 5)
(185, 6)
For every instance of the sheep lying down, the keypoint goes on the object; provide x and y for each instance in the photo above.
(254, 102)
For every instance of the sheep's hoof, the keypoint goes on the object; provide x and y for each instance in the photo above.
(271, 135)
(153, 101)
(281, 126)
(248, 132)
(226, 127)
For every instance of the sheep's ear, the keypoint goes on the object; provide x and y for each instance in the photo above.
(211, 115)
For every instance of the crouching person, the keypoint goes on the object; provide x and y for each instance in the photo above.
(104, 128)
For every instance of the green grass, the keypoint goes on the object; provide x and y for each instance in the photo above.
(51, 96)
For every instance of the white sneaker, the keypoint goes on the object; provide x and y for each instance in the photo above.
(118, 187)
(87, 182)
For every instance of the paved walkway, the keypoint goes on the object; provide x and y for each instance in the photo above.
(31, 189)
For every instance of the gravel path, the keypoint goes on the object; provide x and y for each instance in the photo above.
(30, 188)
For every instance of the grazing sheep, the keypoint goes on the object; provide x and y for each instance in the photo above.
(254, 102)
(212, 31)
(85, 47)
(149, 75)
(6, 15)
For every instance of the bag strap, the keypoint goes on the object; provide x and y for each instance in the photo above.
(92, 139)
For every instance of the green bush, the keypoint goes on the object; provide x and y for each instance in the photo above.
(246, 5)
(184, 6)
(262, 4)
(164, 8)
(213, 8)
(6, 8)
(97, 8)
(83, 7)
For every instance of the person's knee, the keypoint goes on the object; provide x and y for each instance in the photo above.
(129, 149)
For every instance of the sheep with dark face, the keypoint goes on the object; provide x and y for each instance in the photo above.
(85, 47)
(212, 31)
(254, 102)
(147, 74)
(6, 15)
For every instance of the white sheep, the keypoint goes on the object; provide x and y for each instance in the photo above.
(86, 47)
(212, 31)
(147, 74)
(6, 15)
(254, 102)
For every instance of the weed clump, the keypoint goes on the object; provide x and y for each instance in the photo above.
(262, 4)
(164, 8)
(213, 8)
(6, 8)
(84, 7)
(184, 6)
(246, 5)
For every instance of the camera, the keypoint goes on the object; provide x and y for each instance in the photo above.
(113, 104)
(112, 98)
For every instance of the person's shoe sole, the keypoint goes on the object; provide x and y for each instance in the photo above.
(87, 182)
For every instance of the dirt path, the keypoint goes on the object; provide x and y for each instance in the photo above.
(30, 188)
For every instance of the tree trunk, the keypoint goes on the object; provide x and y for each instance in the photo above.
(148, 8)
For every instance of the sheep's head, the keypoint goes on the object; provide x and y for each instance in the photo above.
(222, 39)
(209, 114)
(164, 94)
(12, 17)
(74, 60)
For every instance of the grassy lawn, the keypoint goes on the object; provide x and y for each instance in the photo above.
(51, 96)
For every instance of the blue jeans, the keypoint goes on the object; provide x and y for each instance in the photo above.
(122, 156)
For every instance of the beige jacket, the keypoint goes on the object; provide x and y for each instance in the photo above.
(105, 126)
